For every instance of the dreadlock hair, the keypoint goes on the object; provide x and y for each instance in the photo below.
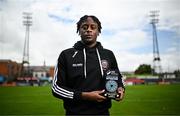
(84, 18)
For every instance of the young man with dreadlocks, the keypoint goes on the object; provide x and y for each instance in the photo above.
(78, 79)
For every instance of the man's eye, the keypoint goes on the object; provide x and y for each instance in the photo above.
(93, 27)
(85, 27)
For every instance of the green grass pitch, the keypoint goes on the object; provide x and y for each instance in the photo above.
(139, 100)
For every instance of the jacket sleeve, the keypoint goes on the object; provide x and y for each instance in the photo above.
(59, 86)
(114, 66)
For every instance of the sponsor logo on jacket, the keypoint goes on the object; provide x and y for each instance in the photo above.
(77, 65)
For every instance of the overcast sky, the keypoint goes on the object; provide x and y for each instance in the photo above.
(126, 29)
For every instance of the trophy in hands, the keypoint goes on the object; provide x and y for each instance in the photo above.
(111, 85)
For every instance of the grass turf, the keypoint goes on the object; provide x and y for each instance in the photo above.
(139, 100)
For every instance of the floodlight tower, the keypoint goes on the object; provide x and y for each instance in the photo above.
(157, 69)
(25, 62)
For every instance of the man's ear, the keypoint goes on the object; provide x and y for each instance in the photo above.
(98, 34)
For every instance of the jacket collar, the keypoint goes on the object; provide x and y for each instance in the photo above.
(80, 46)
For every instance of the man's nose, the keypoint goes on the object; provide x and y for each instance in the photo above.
(89, 29)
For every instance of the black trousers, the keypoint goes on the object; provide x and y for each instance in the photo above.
(103, 113)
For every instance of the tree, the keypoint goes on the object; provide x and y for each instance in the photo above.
(144, 69)
(177, 73)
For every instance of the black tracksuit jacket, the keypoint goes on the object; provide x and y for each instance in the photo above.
(81, 69)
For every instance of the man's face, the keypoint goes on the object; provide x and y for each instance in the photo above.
(89, 31)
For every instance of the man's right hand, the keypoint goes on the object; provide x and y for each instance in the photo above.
(93, 96)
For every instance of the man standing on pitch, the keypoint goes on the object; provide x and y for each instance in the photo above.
(79, 73)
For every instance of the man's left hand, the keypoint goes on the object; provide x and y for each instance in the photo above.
(121, 92)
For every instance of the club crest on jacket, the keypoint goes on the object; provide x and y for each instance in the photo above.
(105, 64)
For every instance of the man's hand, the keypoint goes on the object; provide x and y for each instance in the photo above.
(121, 91)
(93, 96)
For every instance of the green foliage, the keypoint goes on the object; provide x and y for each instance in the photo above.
(177, 73)
(139, 100)
(143, 69)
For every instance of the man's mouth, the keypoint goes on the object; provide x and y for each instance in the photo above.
(88, 36)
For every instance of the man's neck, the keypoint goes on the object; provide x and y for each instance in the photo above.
(90, 45)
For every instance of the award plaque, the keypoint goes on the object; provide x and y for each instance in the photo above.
(111, 85)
